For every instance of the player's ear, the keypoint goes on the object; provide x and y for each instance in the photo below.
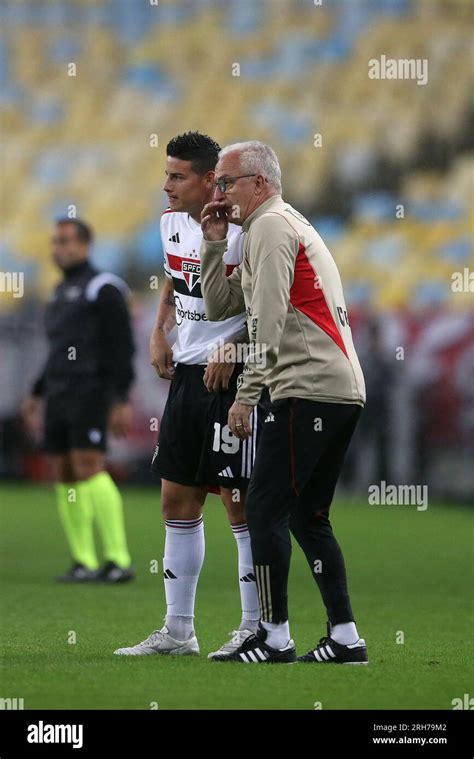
(209, 179)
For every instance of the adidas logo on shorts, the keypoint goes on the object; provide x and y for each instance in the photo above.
(227, 472)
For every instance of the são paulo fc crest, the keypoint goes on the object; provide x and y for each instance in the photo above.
(191, 273)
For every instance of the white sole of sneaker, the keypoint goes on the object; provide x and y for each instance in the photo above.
(338, 663)
(185, 650)
(174, 652)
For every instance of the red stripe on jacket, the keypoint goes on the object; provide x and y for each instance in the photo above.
(310, 300)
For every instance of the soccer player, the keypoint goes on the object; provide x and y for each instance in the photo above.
(195, 447)
(85, 386)
(291, 289)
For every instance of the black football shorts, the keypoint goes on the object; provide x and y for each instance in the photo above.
(195, 445)
(76, 417)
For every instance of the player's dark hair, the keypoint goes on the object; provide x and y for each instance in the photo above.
(198, 148)
(83, 231)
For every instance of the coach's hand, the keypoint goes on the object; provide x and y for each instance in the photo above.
(120, 419)
(239, 420)
(161, 356)
(214, 221)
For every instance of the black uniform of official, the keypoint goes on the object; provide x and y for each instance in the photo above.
(90, 361)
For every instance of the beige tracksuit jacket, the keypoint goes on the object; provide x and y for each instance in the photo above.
(288, 283)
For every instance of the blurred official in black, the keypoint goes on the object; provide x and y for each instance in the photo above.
(83, 392)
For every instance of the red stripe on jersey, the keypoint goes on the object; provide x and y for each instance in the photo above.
(168, 210)
(175, 261)
(310, 300)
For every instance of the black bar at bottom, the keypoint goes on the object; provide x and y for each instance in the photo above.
(140, 733)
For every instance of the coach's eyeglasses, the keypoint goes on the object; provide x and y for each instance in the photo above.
(225, 182)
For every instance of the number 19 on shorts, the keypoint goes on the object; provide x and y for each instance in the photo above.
(224, 440)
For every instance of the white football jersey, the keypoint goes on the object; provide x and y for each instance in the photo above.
(181, 237)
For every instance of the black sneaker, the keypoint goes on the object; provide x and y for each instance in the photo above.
(112, 573)
(254, 650)
(328, 651)
(78, 573)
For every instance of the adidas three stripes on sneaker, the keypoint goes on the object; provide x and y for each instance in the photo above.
(329, 651)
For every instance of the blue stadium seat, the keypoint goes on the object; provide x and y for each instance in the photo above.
(46, 111)
(331, 228)
(53, 166)
(243, 18)
(64, 49)
(430, 293)
(149, 247)
(377, 206)
(358, 293)
(436, 210)
(109, 254)
(386, 249)
(456, 251)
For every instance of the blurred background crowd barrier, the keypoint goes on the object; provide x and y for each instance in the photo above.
(91, 91)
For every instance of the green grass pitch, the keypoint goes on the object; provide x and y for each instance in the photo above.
(409, 571)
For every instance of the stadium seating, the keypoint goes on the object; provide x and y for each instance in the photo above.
(84, 139)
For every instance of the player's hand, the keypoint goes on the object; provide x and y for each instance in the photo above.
(239, 420)
(32, 415)
(214, 221)
(120, 419)
(217, 375)
(161, 356)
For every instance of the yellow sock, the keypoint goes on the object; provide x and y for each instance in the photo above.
(75, 510)
(108, 511)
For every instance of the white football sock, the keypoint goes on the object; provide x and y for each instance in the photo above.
(182, 563)
(345, 633)
(248, 587)
(278, 636)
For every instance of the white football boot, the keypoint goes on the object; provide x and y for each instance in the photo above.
(161, 642)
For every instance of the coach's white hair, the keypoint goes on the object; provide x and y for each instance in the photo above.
(257, 158)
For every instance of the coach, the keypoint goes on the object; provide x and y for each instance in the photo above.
(290, 287)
